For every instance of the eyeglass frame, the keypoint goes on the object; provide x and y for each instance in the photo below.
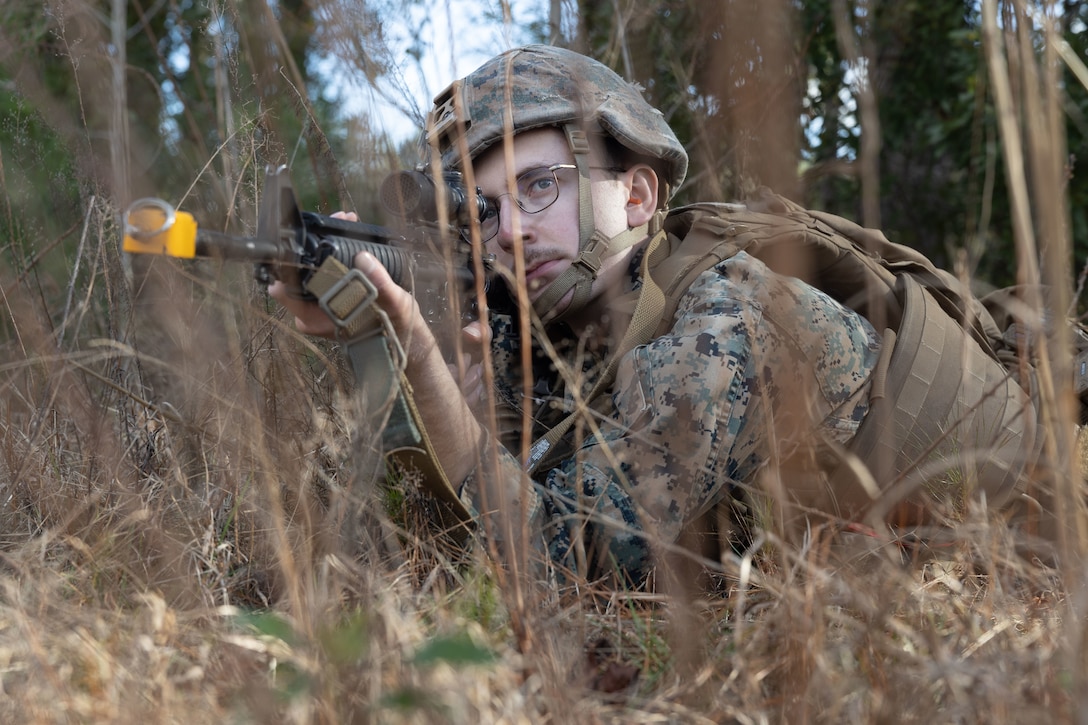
(493, 201)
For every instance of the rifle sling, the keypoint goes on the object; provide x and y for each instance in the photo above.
(377, 364)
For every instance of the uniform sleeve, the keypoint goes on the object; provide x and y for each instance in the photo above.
(752, 357)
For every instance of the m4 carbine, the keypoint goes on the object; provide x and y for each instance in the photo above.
(429, 255)
(313, 255)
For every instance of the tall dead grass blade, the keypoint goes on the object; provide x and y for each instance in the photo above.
(1032, 133)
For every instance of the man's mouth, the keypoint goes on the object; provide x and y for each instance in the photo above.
(539, 274)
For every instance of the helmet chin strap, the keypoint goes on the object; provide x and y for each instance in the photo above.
(593, 246)
(582, 272)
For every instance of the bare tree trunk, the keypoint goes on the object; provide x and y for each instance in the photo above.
(555, 22)
(863, 66)
(119, 117)
(759, 92)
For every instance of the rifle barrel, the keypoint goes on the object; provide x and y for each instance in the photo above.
(217, 245)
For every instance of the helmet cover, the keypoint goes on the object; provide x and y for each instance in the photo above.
(539, 85)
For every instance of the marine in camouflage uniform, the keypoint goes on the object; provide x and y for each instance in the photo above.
(740, 380)
(755, 364)
(694, 415)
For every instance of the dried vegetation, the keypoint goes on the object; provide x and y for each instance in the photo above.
(194, 529)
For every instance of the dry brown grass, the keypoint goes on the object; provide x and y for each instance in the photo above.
(193, 528)
(234, 558)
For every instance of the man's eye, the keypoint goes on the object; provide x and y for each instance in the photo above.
(539, 185)
(535, 182)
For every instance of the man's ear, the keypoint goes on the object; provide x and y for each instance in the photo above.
(642, 189)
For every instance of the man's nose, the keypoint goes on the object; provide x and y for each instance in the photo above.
(511, 223)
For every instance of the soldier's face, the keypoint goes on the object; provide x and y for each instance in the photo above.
(548, 239)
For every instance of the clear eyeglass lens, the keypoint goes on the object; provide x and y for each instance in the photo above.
(537, 189)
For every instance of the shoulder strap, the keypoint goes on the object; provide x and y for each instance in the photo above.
(708, 242)
(669, 267)
(377, 362)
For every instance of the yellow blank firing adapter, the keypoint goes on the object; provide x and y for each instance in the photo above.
(154, 227)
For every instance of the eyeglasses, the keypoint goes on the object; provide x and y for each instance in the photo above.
(535, 190)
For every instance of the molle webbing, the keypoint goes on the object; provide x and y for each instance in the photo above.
(951, 414)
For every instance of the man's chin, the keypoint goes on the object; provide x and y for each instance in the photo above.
(535, 293)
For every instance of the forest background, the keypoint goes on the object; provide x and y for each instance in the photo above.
(189, 527)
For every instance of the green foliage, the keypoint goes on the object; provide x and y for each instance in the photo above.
(457, 650)
(409, 699)
(931, 62)
(304, 666)
(761, 95)
(268, 624)
(40, 190)
(648, 639)
(214, 93)
(1076, 107)
(480, 601)
(40, 194)
(346, 643)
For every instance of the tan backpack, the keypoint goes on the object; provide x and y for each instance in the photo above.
(948, 418)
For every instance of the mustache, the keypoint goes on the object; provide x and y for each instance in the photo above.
(536, 257)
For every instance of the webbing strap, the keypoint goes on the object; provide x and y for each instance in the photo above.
(578, 276)
(592, 246)
(583, 270)
(422, 457)
(579, 147)
(705, 245)
(654, 309)
(377, 362)
(372, 350)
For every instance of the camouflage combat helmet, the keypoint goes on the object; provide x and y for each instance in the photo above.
(541, 85)
(538, 86)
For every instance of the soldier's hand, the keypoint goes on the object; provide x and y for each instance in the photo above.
(398, 304)
(309, 318)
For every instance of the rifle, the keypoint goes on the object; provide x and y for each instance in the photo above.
(313, 255)
(291, 245)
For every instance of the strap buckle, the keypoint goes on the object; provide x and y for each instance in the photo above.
(590, 256)
(327, 300)
(348, 329)
(577, 140)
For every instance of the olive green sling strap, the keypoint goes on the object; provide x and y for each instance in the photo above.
(377, 362)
